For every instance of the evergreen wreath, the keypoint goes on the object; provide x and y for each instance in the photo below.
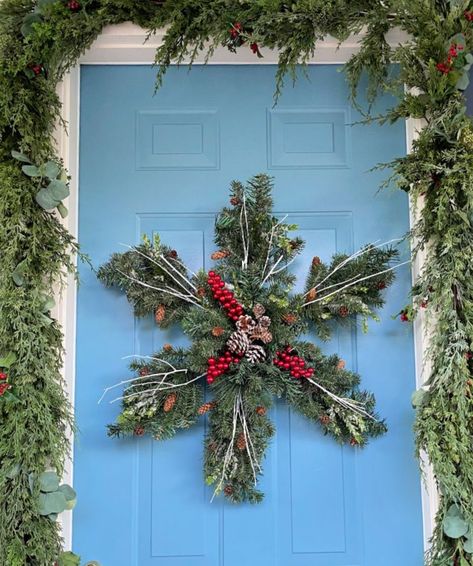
(245, 326)
(40, 40)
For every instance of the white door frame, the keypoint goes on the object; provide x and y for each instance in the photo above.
(126, 44)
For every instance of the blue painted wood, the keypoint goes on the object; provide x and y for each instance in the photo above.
(163, 164)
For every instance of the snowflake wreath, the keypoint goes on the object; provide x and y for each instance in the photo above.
(245, 324)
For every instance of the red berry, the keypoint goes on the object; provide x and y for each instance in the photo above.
(37, 69)
(73, 5)
(404, 317)
(3, 376)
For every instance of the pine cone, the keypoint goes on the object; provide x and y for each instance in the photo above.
(255, 354)
(261, 411)
(201, 292)
(220, 254)
(235, 201)
(312, 294)
(325, 420)
(160, 314)
(139, 431)
(316, 261)
(172, 254)
(144, 372)
(212, 446)
(170, 402)
(206, 407)
(245, 323)
(289, 318)
(264, 321)
(341, 364)
(167, 347)
(217, 331)
(238, 343)
(343, 312)
(228, 490)
(258, 310)
(241, 441)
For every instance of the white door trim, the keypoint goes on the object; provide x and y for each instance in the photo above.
(126, 44)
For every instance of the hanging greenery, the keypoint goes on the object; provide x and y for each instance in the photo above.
(41, 39)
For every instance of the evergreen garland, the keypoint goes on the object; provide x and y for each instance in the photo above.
(41, 39)
(245, 324)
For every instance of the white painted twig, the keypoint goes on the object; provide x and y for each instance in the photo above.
(150, 392)
(229, 451)
(356, 283)
(270, 245)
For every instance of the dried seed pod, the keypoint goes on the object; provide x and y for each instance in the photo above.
(325, 420)
(343, 311)
(217, 331)
(167, 347)
(289, 318)
(139, 431)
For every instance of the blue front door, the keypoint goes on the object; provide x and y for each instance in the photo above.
(163, 165)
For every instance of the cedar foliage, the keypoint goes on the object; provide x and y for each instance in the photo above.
(438, 171)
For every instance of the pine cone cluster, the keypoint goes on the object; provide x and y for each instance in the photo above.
(170, 402)
(251, 330)
(245, 323)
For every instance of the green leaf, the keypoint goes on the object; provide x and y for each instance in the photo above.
(48, 482)
(463, 82)
(18, 274)
(469, 58)
(454, 524)
(62, 210)
(28, 22)
(50, 170)
(46, 200)
(20, 157)
(70, 495)
(420, 398)
(52, 503)
(31, 170)
(8, 360)
(468, 545)
(58, 189)
(69, 559)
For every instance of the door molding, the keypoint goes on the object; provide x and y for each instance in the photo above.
(126, 44)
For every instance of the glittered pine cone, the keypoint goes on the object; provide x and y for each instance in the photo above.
(170, 402)
(239, 342)
(264, 321)
(255, 354)
(245, 323)
(258, 310)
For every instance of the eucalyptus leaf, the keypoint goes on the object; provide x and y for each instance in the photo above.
(463, 82)
(70, 495)
(50, 170)
(468, 545)
(31, 170)
(53, 517)
(20, 157)
(46, 200)
(52, 503)
(18, 274)
(58, 189)
(28, 21)
(48, 482)
(454, 524)
(7, 360)
(62, 210)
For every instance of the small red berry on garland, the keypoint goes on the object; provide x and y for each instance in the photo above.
(225, 297)
(404, 317)
(255, 49)
(4, 388)
(139, 431)
(73, 5)
(37, 69)
(218, 366)
(468, 15)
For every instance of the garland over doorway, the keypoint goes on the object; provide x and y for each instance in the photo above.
(40, 40)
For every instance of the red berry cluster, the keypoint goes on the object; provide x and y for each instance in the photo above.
(4, 385)
(73, 5)
(224, 296)
(293, 363)
(468, 15)
(218, 366)
(446, 66)
(37, 69)
(236, 29)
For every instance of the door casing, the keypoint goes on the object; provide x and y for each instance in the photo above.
(126, 44)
